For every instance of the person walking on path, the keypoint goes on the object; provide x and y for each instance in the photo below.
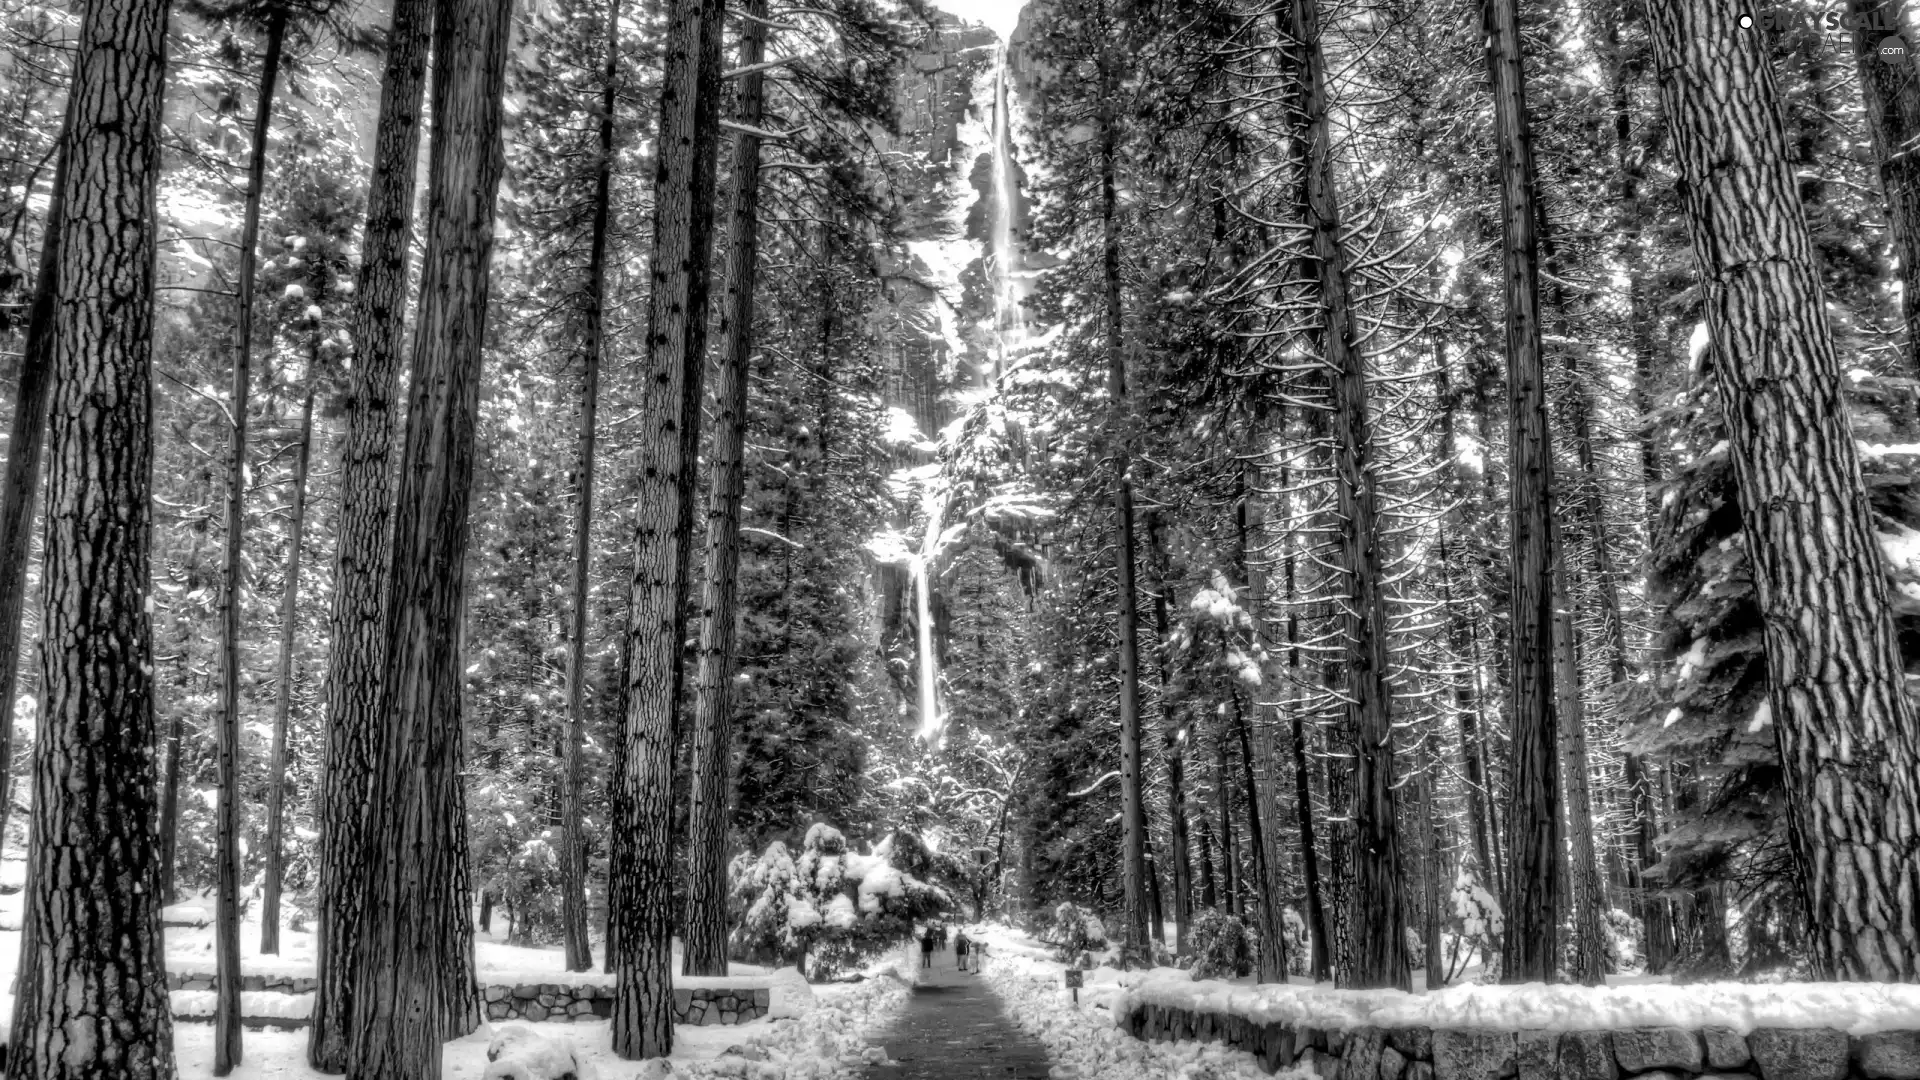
(960, 944)
(926, 949)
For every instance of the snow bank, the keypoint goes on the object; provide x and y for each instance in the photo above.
(828, 1041)
(254, 1005)
(1855, 1008)
(1084, 1041)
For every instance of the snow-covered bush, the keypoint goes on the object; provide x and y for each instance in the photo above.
(1624, 935)
(529, 888)
(1221, 945)
(1073, 931)
(834, 906)
(1475, 921)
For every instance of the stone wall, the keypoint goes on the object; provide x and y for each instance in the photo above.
(705, 1007)
(203, 980)
(1638, 1053)
(550, 1002)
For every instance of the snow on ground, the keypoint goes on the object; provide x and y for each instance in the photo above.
(1085, 1041)
(830, 1040)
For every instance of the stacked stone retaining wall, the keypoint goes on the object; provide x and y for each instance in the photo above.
(1632, 1054)
(703, 1006)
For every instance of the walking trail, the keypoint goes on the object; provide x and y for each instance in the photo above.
(953, 1029)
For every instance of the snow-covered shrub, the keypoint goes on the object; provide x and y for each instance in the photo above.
(529, 888)
(1299, 943)
(761, 887)
(1624, 935)
(831, 908)
(1221, 945)
(1476, 921)
(1073, 931)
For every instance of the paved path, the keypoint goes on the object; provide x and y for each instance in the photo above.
(953, 1029)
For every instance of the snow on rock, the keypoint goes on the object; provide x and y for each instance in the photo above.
(1855, 1008)
(517, 1053)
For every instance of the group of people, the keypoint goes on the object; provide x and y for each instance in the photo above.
(965, 949)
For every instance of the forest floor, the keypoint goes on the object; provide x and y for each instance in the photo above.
(954, 1028)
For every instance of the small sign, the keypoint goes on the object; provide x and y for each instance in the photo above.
(1075, 978)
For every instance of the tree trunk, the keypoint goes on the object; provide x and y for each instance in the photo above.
(1173, 745)
(1848, 744)
(1892, 96)
(1257, 743)
(283, 698)
(91, 991)
(170, 809)
(674, 370)
(1229, 844)
(1589, 960)
(1380, 955)
(1433, 873)
(1209, 898)
(226, 919)
(1530, 951)
(709, 819)
(356, 735)
(573, 858)
(1466, 697)
(27, 435)
(414, 979)
(1319, 929)
(1133, 816)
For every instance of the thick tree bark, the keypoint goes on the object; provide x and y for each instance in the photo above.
(283, 695)
(1845, 727)
(226, 919)
(1133, 857)
(357, 625)
(1530, 951)
(414, 983)
(91, 991)
(573, 856)
(709, 817)
(1891, 89)
(674, 371)
(1380, 954)
(27, 434)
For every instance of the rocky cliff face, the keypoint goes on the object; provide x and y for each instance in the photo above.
(953, 190)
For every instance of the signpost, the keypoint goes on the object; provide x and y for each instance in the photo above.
(1075, 978)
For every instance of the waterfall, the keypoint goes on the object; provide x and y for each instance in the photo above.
(931, 723)
(1009, 318)
(1002, 264)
